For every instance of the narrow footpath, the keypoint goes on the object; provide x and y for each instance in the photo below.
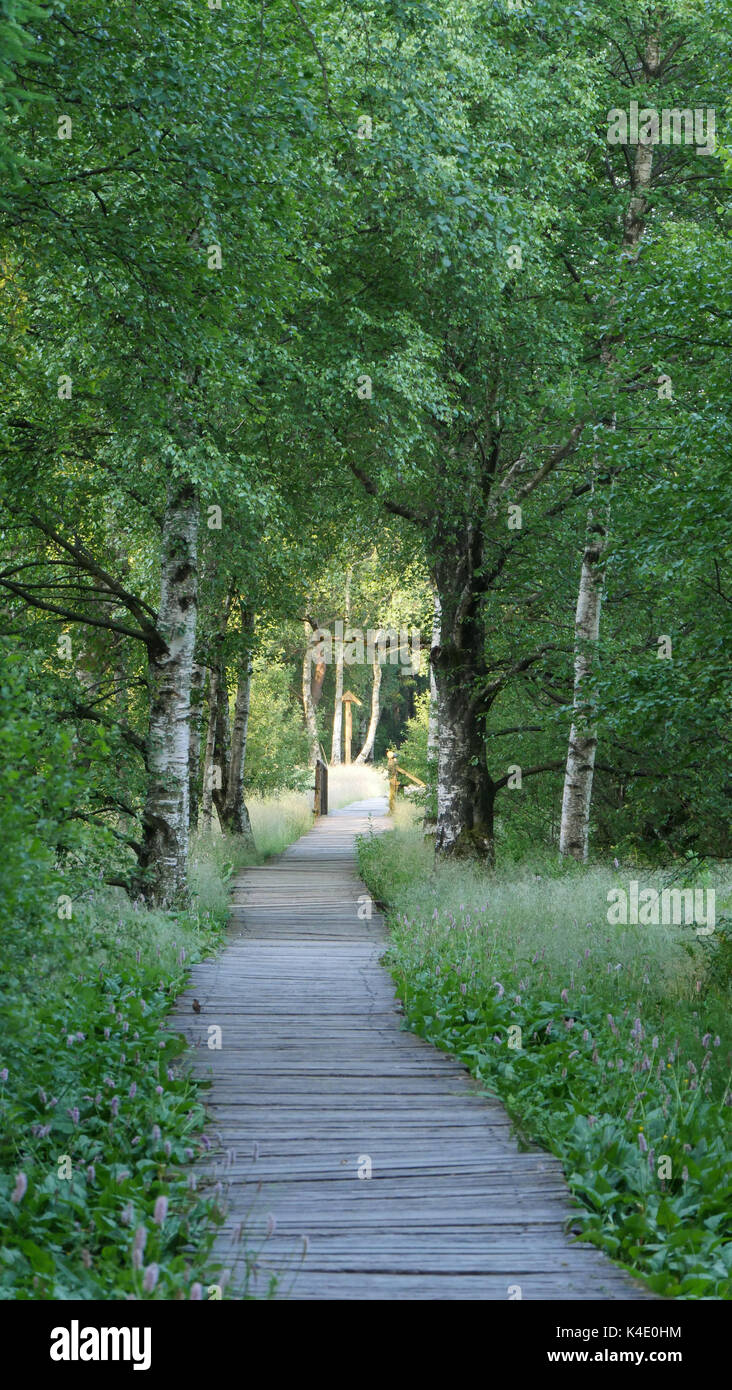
(358, 1161)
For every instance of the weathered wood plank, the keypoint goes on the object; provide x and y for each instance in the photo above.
(316, 1075)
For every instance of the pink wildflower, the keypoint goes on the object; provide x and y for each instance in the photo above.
(20, 1189)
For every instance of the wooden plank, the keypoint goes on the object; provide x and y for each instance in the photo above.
(316, 1073)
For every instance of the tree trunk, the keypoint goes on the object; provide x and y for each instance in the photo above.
(577, 797)
(337, 739)
(165, 819)
(368, 748)
(194, 754)
(208, 759)
(216, 759)
(574, 830)
(465, 791)
(311, 723)
(433, 725)
(335, 751)
(240, 823)
(230, 805)
(222, 746)
(317, 678)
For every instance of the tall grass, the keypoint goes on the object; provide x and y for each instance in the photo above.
(610, 1045)
(507, 916)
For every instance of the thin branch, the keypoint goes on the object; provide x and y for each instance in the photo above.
(516, 729)
(137, 607)
(396, 508)
(106, 624)
(556, 766)
(562, 452)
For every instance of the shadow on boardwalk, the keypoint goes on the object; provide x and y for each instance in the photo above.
(316, 1083)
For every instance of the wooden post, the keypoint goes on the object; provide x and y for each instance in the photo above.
(348, 731)
(348, 699)
(394, 771)
(393, 780)
(320, 803)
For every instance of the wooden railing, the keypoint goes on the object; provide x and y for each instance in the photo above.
(394, 771)
(320, 803)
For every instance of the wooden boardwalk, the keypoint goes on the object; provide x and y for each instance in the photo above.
(316, 1082)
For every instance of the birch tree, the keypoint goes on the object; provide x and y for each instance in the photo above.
(367, 751)
(311, 723)
(231, 736)
(198, 680)
(337, 741)
(433, 723)
(574, 832)
(166, 814)
(208, 757)
(577, 796)
(236, 815)
(487, 385)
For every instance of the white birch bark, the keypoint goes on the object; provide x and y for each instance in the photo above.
(311, 723)
(433, 719)
(208, 758)
(368, 746)
(337, 738)
(194, 752)
(574, 830)
(451, 818)
(165, 818)
(335, 751)
(222, 747)
(465, 792)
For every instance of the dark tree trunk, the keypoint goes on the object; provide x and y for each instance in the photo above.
(465, 790)
(231, 755)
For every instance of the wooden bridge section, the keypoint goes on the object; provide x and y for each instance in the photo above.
(358, 1161)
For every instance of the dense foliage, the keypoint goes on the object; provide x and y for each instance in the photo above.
(320, 315)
